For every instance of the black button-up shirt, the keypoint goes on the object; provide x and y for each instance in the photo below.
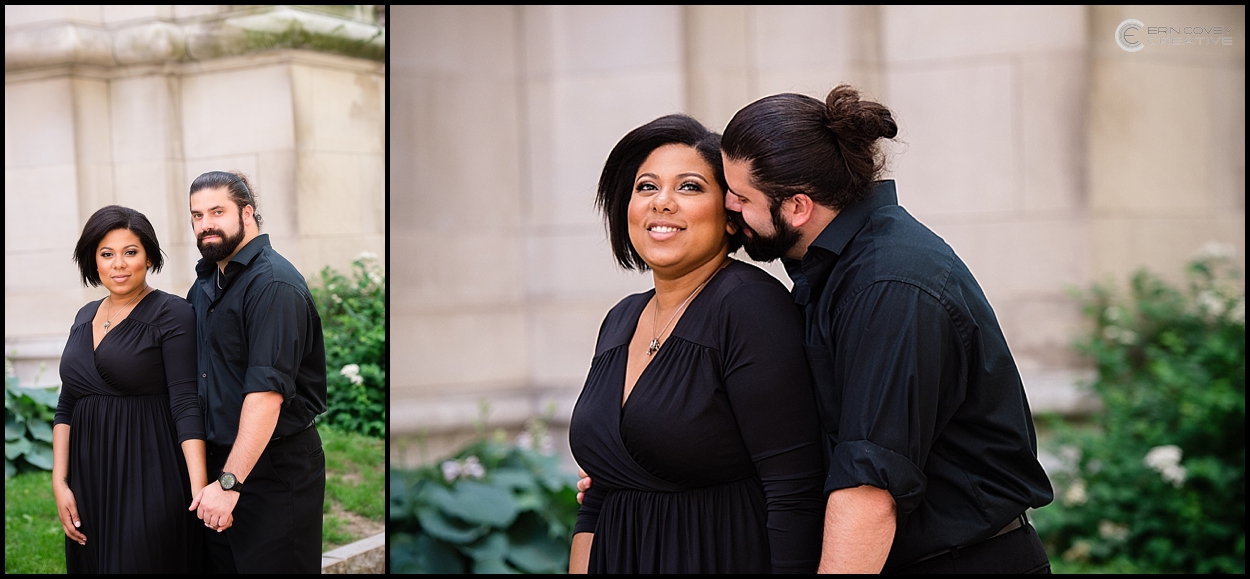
(260, 333)
(917, 390)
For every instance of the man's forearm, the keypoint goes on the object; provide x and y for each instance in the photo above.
(257, 421)
(859, 529)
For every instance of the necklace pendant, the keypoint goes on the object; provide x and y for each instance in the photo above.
(655, 345)
(106, 326)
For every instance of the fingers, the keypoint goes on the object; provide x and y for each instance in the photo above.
(581, 473)
(195, 503)
(70, 523)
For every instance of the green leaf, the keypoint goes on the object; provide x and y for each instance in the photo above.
(14, 427)
(40, 429)
(44, 396)
(9, 469)
(493, 547)
(17, 448)
(450, 530)
(541, 554)
(40, 455)
(478, 503)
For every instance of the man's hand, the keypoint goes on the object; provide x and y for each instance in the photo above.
(215, 507)
(583, 484)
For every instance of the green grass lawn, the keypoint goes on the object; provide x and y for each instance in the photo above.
(355, 474)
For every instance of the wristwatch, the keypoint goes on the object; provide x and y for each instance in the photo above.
(229, 482)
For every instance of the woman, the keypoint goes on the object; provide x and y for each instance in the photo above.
(128, 401)
(697, 421)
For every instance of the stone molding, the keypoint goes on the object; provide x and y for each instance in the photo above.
(197, 39)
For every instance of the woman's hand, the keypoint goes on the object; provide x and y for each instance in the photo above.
(67, 511)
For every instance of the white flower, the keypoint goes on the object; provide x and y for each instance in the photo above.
(366, 256)
(375, 278)
(451, 470)
(352, 372)
(1212, 250)
(336, 299)
(1111, 333)
(1163, 457)
(1112, 313)
(473, 468)
(1211, 303)
(1112, 531)
(1175, 475)
(1128, 337)
(1076, 494)
(546, 445)
(525, 440)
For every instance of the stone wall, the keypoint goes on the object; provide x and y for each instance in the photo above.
(1043, 153)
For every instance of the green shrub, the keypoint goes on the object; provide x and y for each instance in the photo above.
(353, 320)
(492, 507)
(1156, 482)
(28, 414)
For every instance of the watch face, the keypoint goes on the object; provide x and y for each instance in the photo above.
(227, 481)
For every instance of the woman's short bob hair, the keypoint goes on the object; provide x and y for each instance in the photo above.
(616, 183)
(105, 220)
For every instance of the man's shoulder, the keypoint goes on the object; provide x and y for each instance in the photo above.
(272, 267)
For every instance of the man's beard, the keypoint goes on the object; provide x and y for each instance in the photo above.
(765, 249)
(220, 250)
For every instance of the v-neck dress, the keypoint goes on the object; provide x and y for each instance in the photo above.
(130, 403)
(713, 464)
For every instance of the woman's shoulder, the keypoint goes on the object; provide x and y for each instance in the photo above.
(619, 323)
(169, 309)
(87, 312)
(744, 281)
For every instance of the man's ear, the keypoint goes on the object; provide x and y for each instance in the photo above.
(798, 209)
(248, 210)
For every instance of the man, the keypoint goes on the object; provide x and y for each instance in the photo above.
(262, 381)
(930, 447)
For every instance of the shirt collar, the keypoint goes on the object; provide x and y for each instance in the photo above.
(243, 257)
(852, 218)
(808, 273)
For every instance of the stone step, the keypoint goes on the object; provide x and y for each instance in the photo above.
(367, 555)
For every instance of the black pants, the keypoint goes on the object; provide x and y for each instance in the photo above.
(1018, 551)
(277, 521)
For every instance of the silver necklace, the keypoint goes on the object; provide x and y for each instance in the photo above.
(655, 341)
(109, 321)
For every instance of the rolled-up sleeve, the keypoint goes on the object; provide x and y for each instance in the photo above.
(276, 319)
(892, 341)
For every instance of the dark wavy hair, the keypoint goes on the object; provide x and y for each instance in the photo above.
(237, 186)
(796, 144)
(101, 223)
(616, 182)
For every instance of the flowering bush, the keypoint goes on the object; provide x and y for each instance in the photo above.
(353, 320)
(493, 507)
(1158, 483)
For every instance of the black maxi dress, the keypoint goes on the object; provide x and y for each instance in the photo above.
(130, 403)
(713, 464)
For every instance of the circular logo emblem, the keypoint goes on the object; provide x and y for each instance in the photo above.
(1126, 35)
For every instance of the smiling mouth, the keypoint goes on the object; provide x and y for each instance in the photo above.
(664, 229)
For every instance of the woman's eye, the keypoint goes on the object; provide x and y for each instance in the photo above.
(132, 252)
(691, 186)
(645, 187)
